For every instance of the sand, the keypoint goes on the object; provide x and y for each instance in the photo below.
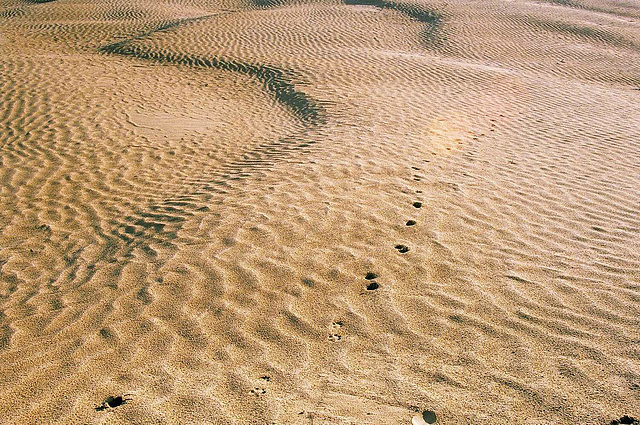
(369, 212)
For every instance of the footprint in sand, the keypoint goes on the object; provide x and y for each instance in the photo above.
(112, 402)
(372, 286)
(336, 325)
(402, 248)
(426, 417)
(258, 391)
(626, 420)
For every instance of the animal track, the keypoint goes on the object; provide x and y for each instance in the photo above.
(626, 420)
(112, 402)
(258, 391)
(426, 417)
(334, 337)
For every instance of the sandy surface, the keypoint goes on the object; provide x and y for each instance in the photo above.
(195, 196)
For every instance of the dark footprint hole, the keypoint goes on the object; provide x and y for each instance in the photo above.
(371, 276)
(372, 286)
(627, 420)
(106, 333)
(411, 223)
(429, 416)
(115, 401)
(112, 402)
(402, 248)
(417, 204)
(258, 391)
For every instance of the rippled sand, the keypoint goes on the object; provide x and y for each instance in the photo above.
(319, 212)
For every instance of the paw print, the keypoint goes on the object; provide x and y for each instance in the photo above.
(258, 391)
(334, 337)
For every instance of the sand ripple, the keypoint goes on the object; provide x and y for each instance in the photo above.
(319, 212)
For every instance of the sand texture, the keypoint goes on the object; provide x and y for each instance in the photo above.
(319, 212)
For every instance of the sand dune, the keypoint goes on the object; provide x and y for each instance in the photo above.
(368, 211)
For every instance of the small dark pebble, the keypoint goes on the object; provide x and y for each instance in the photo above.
(417, 204)
(372, 286)
(411, 223)
(371, 276)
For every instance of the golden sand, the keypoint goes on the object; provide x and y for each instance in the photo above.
(359, 212)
